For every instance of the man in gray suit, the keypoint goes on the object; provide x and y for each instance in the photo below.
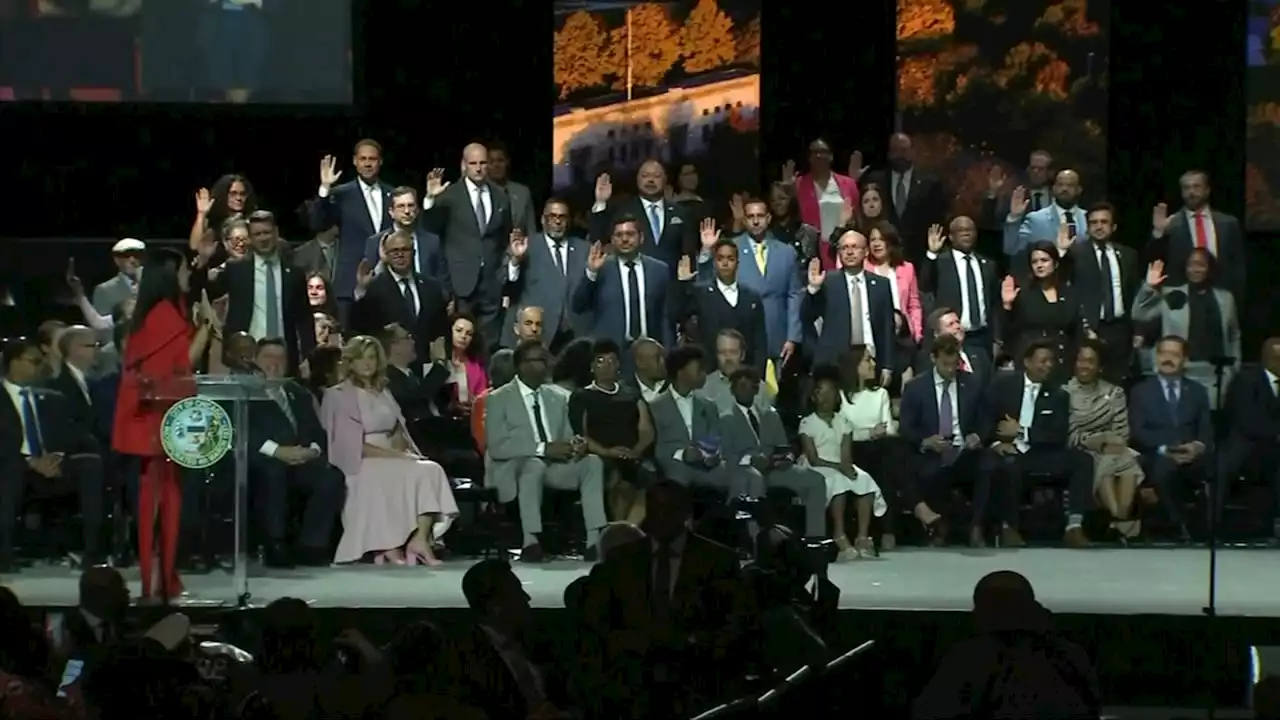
(688, 432)
(756, 440)
(127, 255)
(530, 444)
(522, 210)
(544, 270)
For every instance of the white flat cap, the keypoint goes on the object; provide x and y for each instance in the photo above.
(129, 245)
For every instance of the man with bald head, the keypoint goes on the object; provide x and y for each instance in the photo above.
(667, 233)
(856, 307)
(472, 217)
(913, 199)
(528, 324)
(962, 279)
(1024, 225)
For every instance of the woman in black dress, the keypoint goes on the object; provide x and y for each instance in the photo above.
(1046, 308)
(615, 423)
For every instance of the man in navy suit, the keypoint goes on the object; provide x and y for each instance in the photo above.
(946, 321)
(1032, 421)
(668, 234)
(1170, 424)
(428, 258)
(626, 290)
(1253, 406)
(856, 307)
(359, 208)
(942, 419)
(721, 303)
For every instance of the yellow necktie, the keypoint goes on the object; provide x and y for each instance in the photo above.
(760, 259)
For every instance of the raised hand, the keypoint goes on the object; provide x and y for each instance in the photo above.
(1160, 218)
(329, 172)
(685, 271)
(738, 207)
(1019, 202)
(995, 179)
(856, 168)
(73, 280)
(596, 257)
(436, 183)
(604, 188)
(204, 201)
(1064, 239)
(364, 275)
(789, 171)
(816, 274)
(1155, 274)
(936, 239)
(846, 212)
(518, 245)
(708, 233)
(1009, 291)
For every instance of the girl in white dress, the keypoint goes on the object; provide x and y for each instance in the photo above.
(827, 443)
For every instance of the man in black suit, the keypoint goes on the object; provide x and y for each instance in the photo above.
(78, 348)
(1171, 425)
(428, 257)
(942, 419)
(414, 386)
(666, 233)
(1107, 275)
(399, 294)
(856, 307)
(1197, 225)
(266, 297)
(722, 304)
(1253, 409)
(491, 666)
(288, 449)
(946, 321)
(914, 201)
(42, 453)
(473, 220)
(966, 281)
(358, 208)
(1032, 421)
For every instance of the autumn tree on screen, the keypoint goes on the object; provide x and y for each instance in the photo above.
(579, 46)
(654, 48)
(707, 38)
(747, 43)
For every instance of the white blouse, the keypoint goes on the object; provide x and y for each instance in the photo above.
(865, 410)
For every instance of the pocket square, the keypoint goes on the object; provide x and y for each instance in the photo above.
(677, 221)
(1046, 412)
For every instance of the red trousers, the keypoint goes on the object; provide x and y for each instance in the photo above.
(159, 496)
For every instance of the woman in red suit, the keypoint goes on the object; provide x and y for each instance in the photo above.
(162, 347)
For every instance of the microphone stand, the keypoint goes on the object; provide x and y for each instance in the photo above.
(1217, 486)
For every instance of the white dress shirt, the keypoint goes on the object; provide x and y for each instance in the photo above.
(1027, 413)
(648, 207)
(945, 392)
(258, 321)
(513, 267)
(472, 191)
(623, 275)
(529, 395)
(1271, 382)
(78, 375)
(962, 270)
(730, 292)
(1115, 294)
(1210, 240)
(15, 397)
(857, 282)
(413, 288)
(373, 201)
(649, 393)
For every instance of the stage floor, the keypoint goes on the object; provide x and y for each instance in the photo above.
(1108, 581)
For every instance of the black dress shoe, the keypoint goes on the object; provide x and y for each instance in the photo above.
(277, 557)
(532, 554)
(313, 557)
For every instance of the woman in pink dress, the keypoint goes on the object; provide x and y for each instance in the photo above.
(468, 376)
(397, 500)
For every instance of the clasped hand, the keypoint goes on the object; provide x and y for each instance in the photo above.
(48, 465)
(296, 455)
(937, 443)
(565, 449)
(695, 456)
(1008, 428)
(1185, 453)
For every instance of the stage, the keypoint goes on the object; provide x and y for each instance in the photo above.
(1149, 581)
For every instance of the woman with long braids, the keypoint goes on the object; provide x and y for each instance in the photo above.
(163, 346)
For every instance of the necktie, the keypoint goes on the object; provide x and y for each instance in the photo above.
(974, 310)
(761, 260)
(273, 300)
(655, 222)
(900, 195)
(1108, 294)
(31, 424)
(1202, 232)
(326, 261)
(538, 425)
(1037, 199)
(946, 420)
(1070, 218)
(856, 336)
(660, 595)
(482, 217)
(282, 399)
(371, 200)
(559, 257)
(1171, 395)
(754, 420)
(635, 319)
(406, 288)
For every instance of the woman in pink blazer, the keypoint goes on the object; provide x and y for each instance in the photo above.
(468, 375)
(884, 258)
(817, 198)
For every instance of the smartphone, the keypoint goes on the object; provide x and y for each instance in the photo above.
(70, 673)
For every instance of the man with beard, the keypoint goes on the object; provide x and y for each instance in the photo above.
(544, 271)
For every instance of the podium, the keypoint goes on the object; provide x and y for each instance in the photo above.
(206, 421)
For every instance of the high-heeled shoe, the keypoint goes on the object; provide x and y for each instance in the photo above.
(390, 557)
(418, 554)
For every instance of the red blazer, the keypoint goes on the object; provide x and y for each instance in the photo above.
(156, 356)
(807, 199)
(908, 295)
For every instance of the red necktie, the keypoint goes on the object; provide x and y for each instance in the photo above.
(1202, 235)
(964, 366)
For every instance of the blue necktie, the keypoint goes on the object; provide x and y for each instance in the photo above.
(655, 223)
(31, 425)
(1171, 394)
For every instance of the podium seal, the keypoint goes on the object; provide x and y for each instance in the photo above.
(196, 433)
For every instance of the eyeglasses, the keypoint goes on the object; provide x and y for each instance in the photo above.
(399, 251)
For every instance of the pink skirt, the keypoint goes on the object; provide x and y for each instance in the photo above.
(384, 501)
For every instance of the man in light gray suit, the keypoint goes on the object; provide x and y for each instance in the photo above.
(531, 445)
(688, 433)
(522, 210)
(757, 442)
(543, 270)
(1023, 228)
(127, 255)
